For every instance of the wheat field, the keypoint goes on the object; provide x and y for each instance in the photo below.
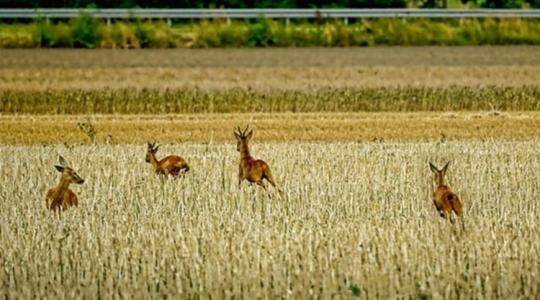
(355, 220)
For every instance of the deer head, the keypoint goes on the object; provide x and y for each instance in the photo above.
(68, 174)
(242, 137)
(151, 152)
(439, 174)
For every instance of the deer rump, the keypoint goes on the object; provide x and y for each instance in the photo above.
(172, 165)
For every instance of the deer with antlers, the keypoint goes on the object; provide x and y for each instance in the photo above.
(62, 197)
(444, 199)
(173, 165)
(252, 170)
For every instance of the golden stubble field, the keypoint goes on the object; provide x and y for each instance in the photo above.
(271, 127)
(356, 219)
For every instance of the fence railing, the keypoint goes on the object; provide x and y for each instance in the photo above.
(67, 13)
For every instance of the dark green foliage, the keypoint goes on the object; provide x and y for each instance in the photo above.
(142, 34)
(422, 296)
(355, 290)
(505, 3)
(260, 35)
(86, 32)
(54, 36)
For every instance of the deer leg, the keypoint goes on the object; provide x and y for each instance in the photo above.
(268, 175)
(445, 215)
(462, 223)
(460, 218)
(271, 180)
(458, 209)
(240, 179)
(450, 217)
(261, 183)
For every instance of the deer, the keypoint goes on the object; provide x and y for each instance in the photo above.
(252, 170)
(173, 165)
(444, 199)
(61, 197)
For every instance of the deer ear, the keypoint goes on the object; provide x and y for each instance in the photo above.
(237, 136)
(249, 135)
(433, 168)
(445, 167)
(59, 168)
(156, 148)
(62, 160)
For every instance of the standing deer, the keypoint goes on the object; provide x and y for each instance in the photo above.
(61, 197)
(173, 165)
(445, 200)
(254, 170)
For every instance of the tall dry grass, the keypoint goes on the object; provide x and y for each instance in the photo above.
(356, 220)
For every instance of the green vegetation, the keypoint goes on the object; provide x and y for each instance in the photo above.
(245, 100)
(86, 32)
(266, 4)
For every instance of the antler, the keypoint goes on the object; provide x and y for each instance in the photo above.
(242, 133)
(246, 131)
(153, 146)
(445, 166)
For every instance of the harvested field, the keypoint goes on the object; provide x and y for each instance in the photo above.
(288, 127)
(355, 219)
(348, 134)
(263, 69)
(135, 101)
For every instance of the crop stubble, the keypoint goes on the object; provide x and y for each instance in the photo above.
(277, 127)
(354, 217)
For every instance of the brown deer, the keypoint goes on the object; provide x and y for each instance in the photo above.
(253, 170)
(173, 165)
(444, 199)
(61, 197)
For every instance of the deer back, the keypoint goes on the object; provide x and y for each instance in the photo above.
(61, 199)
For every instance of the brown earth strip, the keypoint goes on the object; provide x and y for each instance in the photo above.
(262, 69)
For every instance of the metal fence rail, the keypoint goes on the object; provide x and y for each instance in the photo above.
(66, 13)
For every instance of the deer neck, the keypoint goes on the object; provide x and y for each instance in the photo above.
(244, 152)
(62, 186)
(440, 182)
(154, 161)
